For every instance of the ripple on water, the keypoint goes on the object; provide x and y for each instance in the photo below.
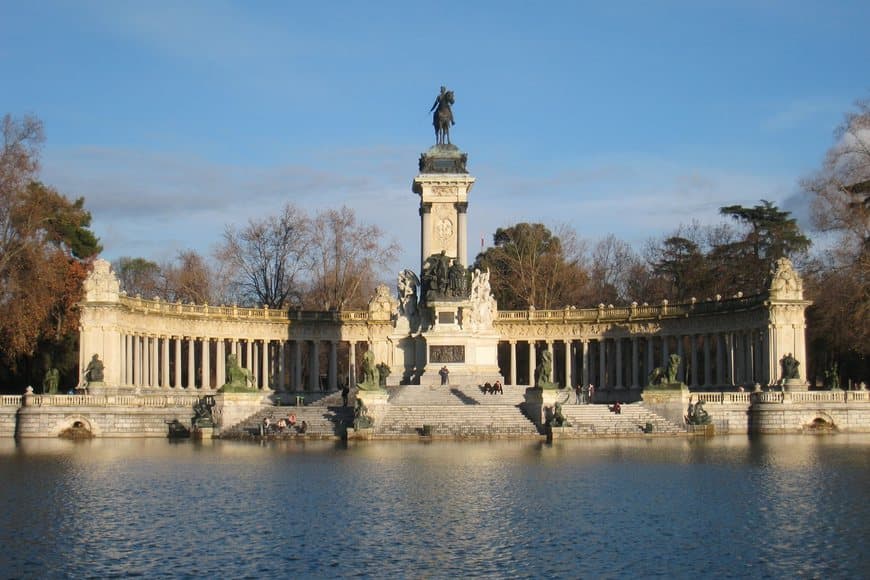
(775, 507)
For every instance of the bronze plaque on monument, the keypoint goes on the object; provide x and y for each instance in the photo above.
(447, 353)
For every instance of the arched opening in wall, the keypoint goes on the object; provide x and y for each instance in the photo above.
(78, 429)
(821, 424)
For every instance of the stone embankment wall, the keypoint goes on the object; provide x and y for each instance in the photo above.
(104, 416)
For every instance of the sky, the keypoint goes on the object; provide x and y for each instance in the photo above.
(177, 119)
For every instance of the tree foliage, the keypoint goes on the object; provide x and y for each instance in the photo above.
(531, 266)
(45, 245)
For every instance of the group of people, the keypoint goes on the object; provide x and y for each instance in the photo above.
(493, 388)
(283, 425)
(584, 395)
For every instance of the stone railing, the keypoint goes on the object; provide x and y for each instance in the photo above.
(150, 401)
(142, 305)
(10, 400)
(633, 312)
(204, 310)
(725, 398)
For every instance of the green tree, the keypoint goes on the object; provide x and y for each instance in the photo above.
(140, 277)
(769, 234)
(45, 247)
(680, 264)
(531, 266)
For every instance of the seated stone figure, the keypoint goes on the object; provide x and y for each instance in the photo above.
(371, 375)
(238, 379)
(361, 417)
(94, 371)
(558, 419)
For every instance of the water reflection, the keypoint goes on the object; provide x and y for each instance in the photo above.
(731, 506)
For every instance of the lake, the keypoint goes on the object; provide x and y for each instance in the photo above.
(775, 506)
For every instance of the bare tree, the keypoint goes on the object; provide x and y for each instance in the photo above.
(264, 258)
(345, 259)
(190, 278)
(614, 263)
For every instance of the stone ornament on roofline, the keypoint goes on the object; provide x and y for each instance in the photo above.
(102, 285)
(785, 284)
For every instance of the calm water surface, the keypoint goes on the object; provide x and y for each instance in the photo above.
(727, 507)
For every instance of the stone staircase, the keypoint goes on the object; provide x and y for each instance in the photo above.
(324, 422)
(598, 420)
(455, 411)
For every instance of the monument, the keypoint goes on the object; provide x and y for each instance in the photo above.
(445, 314)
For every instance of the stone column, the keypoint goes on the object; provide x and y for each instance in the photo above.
(128, 370)
(191, 363)
(462, 232)
(693, 346)
(314, 365)
(584, 347)
(281, 366)
(165, 363)
(425, 247)
(205, 344)
(635, 375)
(152, 368)
(569, 374)
(351, 364)
(333, 366)
(220, 363)
(297, 366)
(720, 361)
(512, 377)
(618, 355)
(650, 354)
(681, 374)
(264, 364)
(177, 362)
(602, 363)
(249, 355)
(708, 362)
(666, 352)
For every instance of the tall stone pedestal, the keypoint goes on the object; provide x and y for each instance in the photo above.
(471, 356)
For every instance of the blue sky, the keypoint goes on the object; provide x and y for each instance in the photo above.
(176, 118)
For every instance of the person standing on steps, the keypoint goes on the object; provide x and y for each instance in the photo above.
(591, 394)
(577, 393)
(445, 375)
(345, 392)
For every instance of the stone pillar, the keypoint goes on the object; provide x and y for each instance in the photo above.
(618, 355)
(191, 363)
(584, 347)
(426, 226)
(666, 352)
(635, 375)
(720, 361)
(314, 365)
(693, 347)
(205, 345)
(220, 363)
(569, 370)
(513, 371)
(333, 366)
(165, 363)
(249, 355)
(351, 364)
(297, 365)
(177, 362)
(650, 354)
(681, 371)
(281, 373)
(708, 362)
(128, 370)
(264, 364)
(462, 232)
(602, 363)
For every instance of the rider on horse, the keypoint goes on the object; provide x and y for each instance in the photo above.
(443, 116)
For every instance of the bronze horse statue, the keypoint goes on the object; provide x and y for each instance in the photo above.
(442, 117)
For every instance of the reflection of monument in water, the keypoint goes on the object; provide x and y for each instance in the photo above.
(445, 316)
